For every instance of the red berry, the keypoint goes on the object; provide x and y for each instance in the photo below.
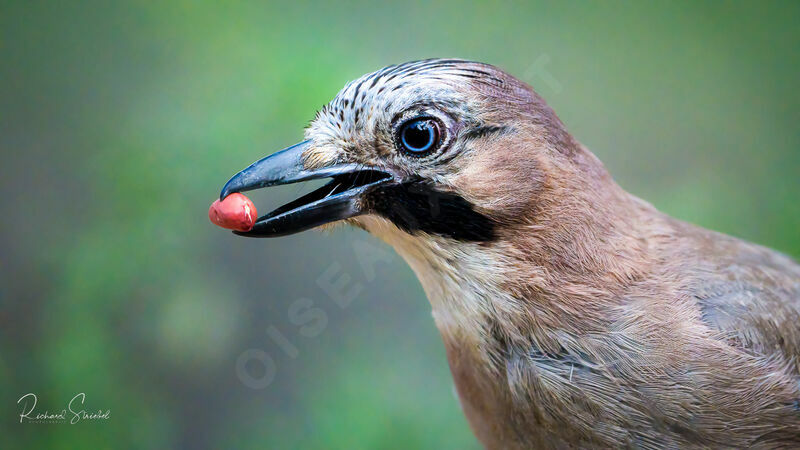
(235, 212)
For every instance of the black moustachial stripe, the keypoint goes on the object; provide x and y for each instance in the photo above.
(417, 206)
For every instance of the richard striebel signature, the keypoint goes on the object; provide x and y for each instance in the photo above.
(73, 413)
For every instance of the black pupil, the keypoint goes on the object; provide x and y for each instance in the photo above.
(419, 136)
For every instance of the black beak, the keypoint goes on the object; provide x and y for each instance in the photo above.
(342, 198)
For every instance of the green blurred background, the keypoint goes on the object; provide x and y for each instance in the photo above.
(120, 122)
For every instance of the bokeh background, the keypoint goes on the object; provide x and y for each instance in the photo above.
(120, 122)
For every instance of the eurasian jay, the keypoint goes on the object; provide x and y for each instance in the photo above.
(573, 313)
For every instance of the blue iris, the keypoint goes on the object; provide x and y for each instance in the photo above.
(419, 136)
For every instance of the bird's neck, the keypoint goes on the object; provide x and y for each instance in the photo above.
(533, 284)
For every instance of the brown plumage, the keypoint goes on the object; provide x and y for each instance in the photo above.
(574, 314)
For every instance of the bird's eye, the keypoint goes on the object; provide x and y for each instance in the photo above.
(419, 137)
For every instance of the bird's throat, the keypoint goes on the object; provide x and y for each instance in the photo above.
(462, 279)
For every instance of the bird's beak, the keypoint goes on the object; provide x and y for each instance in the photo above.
(342, 198)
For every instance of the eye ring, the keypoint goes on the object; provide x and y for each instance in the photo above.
(419, 136)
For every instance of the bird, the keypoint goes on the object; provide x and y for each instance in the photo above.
(573, 313)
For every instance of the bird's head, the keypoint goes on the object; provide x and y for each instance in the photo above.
(435, 149)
